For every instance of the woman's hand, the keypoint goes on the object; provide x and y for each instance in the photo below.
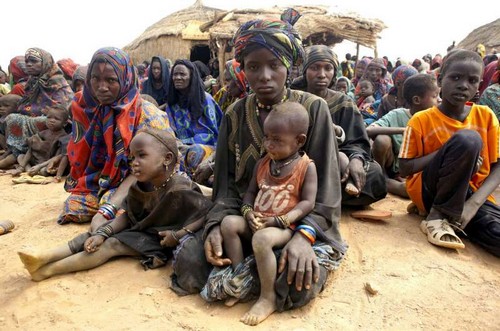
(168, 239)
(302, 263)
(213, 248)
(92, 244)
(357, 173)
(203, 172)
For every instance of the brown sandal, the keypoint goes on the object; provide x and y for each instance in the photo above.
(372, 215)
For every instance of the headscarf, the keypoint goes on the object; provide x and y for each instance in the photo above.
(436, 61)
(79, 75)
(496, 76)
(238, 75)
(278, 37)
(68, 67)
(203, 69)
(17, 67)
(400, 75)
(383, 85)
(364, 61)
(148, 87)
(317, 53)
(47, 89)
(314, 54)
(490, 76)
(481, 50)
(195, 98)
(99, 148)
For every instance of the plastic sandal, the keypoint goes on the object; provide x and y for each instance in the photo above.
(436, 229)
(38, 179)
(372, 215)
(21, 179)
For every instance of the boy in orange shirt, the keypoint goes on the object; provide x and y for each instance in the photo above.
(451, 154)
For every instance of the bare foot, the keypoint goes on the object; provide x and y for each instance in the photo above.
(231, 301)
(31, 262)
(351, 189)
(261, 310)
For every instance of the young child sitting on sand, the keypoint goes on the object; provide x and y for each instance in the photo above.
(8, 105)
(451, 154)
(282, 191)
(161, 208)
(420, 92)
(44, 145)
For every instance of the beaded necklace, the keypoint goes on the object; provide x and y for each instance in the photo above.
(261, 106)
(162, 186)
(278, 166)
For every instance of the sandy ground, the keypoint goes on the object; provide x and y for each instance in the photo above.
(420, 286)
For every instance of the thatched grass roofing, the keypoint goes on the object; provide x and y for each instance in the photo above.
(185, 20)
(316, 26)
(488, 35)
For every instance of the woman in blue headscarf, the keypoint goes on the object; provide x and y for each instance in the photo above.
(194, 115)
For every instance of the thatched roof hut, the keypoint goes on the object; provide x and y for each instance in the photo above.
(488, 35)
(316, 26)
(199, 32)
(175, 36)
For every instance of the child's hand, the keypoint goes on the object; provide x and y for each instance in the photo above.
(57, 179)
(92, 244)
(268, 222)
(168, 239)
(253, 220)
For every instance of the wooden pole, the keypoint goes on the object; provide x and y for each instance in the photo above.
(357, 52)
(221, 56)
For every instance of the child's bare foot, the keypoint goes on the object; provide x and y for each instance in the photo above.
(31, 262)
(261, 310)
(231, 301)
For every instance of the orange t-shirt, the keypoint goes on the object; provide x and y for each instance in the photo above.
(278, 195)
(428, 130)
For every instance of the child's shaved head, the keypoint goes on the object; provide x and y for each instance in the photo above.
(293, 115)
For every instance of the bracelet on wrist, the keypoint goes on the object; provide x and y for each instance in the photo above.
(174, 235)
(187, 230)
(245, 209)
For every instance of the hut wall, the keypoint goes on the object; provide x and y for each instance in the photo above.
(171, 47)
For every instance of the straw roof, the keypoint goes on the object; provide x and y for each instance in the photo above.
(488, 35)
(316, 26)
(183, 26)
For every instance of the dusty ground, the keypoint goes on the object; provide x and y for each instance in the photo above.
(420, 286)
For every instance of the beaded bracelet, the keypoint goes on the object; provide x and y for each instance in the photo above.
(282, 221)
(245, 209)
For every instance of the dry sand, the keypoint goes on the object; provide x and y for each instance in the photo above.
(419, 286)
